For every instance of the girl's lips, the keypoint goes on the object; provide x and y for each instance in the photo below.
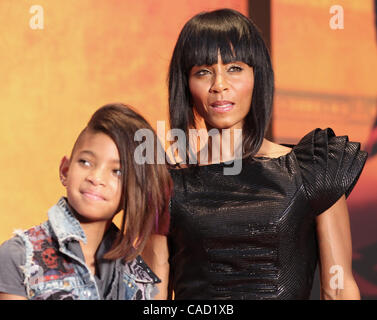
(92, 196)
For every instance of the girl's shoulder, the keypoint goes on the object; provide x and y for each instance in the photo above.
(12, 246)
(12, 257)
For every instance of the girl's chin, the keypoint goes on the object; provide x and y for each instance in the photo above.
(85, 212)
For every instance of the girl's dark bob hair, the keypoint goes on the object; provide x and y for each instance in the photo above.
(238, 39)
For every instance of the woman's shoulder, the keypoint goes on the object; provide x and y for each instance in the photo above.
(330, 166)
(271, 149)
(268, 150)
(323, 145)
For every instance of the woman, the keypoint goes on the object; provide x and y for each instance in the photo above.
(257, 234)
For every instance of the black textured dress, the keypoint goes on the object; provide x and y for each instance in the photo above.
(253, 235)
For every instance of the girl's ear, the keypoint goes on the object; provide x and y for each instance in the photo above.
(63, 170)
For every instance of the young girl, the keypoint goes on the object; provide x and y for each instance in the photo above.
(78, 253)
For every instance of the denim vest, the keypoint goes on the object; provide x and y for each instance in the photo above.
(53, 271)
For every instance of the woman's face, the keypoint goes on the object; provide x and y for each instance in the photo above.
(222, 93)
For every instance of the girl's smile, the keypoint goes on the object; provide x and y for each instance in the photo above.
(93, 177)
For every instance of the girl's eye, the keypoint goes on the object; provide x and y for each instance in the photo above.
(235, 69)
(84, 162)
(117, 172)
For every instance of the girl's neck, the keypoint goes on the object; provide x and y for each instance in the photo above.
(94, 232)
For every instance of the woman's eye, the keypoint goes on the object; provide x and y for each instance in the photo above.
(235, 69)
(84, 162)
(202, 72)
(117, 172)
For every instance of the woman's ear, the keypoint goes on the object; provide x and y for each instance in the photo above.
(63, 170)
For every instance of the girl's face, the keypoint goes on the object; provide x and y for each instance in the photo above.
(222, 93)
(92, 177)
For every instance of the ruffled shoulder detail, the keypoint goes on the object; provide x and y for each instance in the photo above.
(330, 166)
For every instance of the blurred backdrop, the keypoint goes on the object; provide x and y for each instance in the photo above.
(62, 60)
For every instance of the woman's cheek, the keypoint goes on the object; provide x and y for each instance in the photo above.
(245, 92)
(198, 88)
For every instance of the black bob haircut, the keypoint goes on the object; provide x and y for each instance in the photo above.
(238, 39)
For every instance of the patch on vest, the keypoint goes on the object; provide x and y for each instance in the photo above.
(59, 295)
(48, 263)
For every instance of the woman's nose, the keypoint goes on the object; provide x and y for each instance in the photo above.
(219, 84)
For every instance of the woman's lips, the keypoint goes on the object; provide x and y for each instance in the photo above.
(222, 106)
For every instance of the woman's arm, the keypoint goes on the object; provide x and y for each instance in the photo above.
(335, 251)
(156, 255)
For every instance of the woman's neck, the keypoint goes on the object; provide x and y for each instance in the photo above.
(220, 146)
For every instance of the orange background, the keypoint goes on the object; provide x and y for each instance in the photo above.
(89, 53)
(324, 77)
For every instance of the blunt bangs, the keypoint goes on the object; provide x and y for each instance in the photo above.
(228, 35)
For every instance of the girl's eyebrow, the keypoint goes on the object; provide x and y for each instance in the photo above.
(91, 153)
